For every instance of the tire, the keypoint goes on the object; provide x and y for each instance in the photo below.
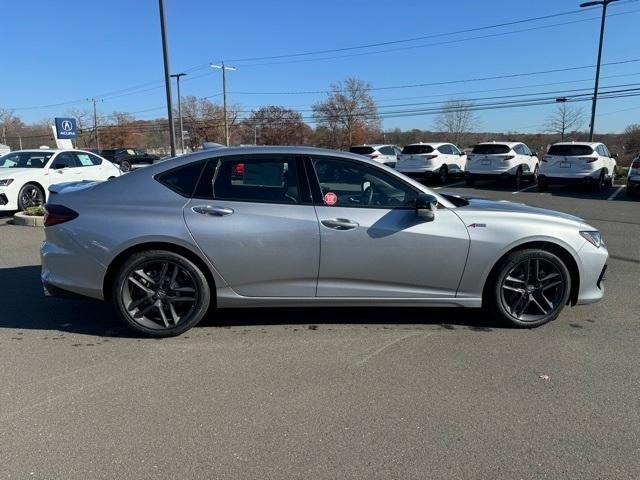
(631, 192)
(611, 180)
(598, 187)
(30, 195)
(508, 289)
(125, 166)
(443, 175)
(543, 184)
(516, 181)
(470, 181)
(534, 177)
(150, 302)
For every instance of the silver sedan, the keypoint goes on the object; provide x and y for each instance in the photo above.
(292, 226)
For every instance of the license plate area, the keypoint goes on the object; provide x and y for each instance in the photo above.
(485, 162)
(565, 164)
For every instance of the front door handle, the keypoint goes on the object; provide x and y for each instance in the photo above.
(213, 211)
(340, 224)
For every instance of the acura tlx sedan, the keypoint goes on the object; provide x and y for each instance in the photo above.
(294, 226)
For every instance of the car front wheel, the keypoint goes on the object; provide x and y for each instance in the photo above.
(529, 288)
(30, 195)
(160, 293)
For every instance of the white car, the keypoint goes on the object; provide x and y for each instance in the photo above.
(383, 153)
(511, 161)
(26, 175)
(578, 162)
(431, 160)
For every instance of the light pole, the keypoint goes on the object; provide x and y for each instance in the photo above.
(167, 79)
(224, 68)
(604, 4)
(177, 77)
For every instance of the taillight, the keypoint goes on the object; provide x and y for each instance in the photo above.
(373, 155)
(430, 157)
(635, 164)
(546, 158)
(56, 214)
(508, 157)
(588, 159)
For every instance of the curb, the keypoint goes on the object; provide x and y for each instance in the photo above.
(27, 220)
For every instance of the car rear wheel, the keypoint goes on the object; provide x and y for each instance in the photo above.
(611, 180)
(599, 185)
(30, 195)
(529, 289)
(443, 175)
(160, 293)
(125, 166)
(517, 179)
(543, 184)
(534, 176)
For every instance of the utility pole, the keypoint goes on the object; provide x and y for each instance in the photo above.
(4, 135)
(177, 77)
(604, 4)
(167, 79)
(95, 120)
(224, 68)
(20, 140)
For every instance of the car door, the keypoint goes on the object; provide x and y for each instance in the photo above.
(459, 159)
(447, 157)
(64, 168)
(531, 159)
(607, 161)
(254, 219)
(90, 167)
(372, 242)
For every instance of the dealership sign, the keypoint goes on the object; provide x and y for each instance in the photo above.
(66, 128)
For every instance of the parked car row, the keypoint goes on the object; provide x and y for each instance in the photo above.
(127, 158)
(566, 162)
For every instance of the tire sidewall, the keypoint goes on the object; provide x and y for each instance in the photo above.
(21, 206)
(204, 294)
(494, 296)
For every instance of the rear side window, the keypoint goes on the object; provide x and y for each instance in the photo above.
(417, 149)
(182, 180)
(260, 179)
(362, 150)
(570, 150)
(491, 149)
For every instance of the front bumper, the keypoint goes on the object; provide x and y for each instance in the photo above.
(8, 200)
(593, 273)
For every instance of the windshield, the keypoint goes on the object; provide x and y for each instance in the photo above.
(570, 150)
(417, 149)
(362, 150)
(25, 160)
(491, 149)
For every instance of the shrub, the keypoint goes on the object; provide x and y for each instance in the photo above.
(34, 211)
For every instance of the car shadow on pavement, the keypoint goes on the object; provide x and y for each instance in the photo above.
(26, 307)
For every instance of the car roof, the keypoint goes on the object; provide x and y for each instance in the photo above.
(51, 150)
(431, 144)
(374, 145)
(509, 144)
(588, 144)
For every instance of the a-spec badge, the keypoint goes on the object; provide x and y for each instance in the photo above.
(477, 225)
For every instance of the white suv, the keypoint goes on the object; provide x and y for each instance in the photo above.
(578, 162)
(633, 178)
(387, 154)
(431, 160)
(512, 161)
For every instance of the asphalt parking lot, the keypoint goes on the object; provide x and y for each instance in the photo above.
(352, 393)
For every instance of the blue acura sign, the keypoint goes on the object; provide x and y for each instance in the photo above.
(66, 128)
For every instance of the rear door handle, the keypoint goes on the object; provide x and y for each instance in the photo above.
(212, 211)
(340, 224)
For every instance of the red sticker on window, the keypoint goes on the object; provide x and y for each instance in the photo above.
(330, 198)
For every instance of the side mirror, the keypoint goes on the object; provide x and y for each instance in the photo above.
(426, 206)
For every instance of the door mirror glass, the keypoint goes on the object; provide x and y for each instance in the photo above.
(426, 206)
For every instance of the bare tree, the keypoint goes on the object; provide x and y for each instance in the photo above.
(565, 120)
(458, 120)
(273, 125)
(204, 120)
(84, 121)
(632, 139)
(349, 115)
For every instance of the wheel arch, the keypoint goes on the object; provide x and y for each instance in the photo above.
(560, 251)
(122, 257)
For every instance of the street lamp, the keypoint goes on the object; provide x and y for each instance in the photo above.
(224, 68)
(177, 77)
(167, 80)
(604, 4)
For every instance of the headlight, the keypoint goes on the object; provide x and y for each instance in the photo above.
(593, 237)
(5, 182)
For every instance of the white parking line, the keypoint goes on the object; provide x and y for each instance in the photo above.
(451, 185)
(530, 187)
(615, 194)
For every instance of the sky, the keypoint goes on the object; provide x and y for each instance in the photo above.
(58, 54)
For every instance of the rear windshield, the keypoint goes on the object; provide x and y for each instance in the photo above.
(362, 150)
(417, 149)
(491, 149)
(570, 150)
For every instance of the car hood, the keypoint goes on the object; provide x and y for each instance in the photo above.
(7, 172)
(478, 204)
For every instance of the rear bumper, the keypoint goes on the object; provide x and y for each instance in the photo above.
(567, 177)
(417, 173)
(487, 176)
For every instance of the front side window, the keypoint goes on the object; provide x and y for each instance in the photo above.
(351, 184)
(25, 160)
(262, 179)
